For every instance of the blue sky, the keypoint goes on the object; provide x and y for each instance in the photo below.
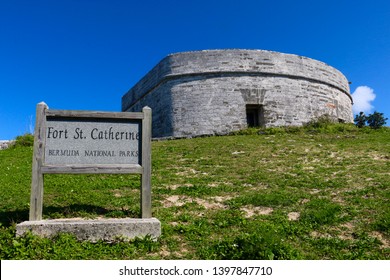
(85, 54)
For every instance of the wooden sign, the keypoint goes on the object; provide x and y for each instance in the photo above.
(90, 142)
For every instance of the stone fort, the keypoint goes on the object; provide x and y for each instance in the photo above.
(215, 92)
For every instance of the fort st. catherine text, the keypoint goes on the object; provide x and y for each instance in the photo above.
(94, 134)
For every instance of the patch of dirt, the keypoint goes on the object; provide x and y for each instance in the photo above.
(377, 156)
(293, 216)
(221, 198)
(308, 168)
(238, 152)
(316, 234)
(347, 231)
(349, 226)
(190, 171)
(174, 200)
(304, 201)
(174, 187)
(335, 196)
(165, 253)
(385, 242)
(179, 200)
(209, 204)
(119, 192)
(251, 211)
(314, 191)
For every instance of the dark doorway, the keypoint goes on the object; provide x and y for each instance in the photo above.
(254, 115)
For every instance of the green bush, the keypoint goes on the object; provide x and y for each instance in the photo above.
(376, 120)
(26, 140)
(360, 120)
(320, 123)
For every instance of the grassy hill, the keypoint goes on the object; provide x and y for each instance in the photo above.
(320, 192)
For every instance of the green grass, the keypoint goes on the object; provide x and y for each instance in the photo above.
(318, 192)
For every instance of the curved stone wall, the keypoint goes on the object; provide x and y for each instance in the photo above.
(219, 91)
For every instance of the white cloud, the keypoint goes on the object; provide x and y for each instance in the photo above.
(362, 98)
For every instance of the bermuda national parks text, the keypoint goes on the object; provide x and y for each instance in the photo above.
(92, 153)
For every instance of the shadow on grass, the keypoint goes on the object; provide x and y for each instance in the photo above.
(7, 218)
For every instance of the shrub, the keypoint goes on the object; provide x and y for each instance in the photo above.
(321, 122)
(360, 120)
(26, 140)
(376, 120)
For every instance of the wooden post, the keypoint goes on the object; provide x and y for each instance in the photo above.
(36, 200)
(146, 199)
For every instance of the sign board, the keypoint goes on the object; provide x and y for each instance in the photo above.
(90, 142)
(99, 141)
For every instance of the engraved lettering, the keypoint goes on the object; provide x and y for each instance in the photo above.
(79, 134)
(57, 133)
(64, 153)
(128, 153)
(99, 153)
(109, 134)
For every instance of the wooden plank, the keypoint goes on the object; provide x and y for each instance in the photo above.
(36, 199)
(146, 198)
(94, 114)
(93, 169)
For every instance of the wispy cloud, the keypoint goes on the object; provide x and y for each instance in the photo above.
(362, 100)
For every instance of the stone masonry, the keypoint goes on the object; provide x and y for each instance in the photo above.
(219, 91)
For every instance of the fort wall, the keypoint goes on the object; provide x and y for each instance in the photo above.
(219, 91)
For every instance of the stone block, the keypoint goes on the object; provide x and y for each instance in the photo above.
(93, 230)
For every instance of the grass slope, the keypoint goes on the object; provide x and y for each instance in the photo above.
(296, 193)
